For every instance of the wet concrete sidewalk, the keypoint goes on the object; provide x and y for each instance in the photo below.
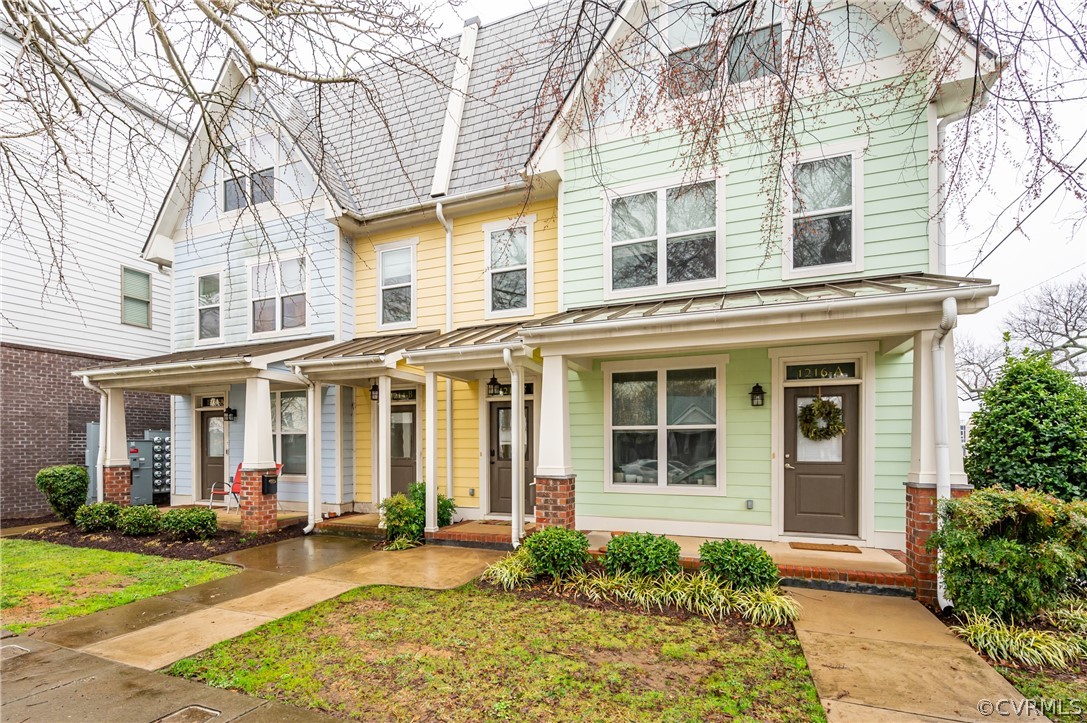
(45, 682)
(278, 579)
(890, 659)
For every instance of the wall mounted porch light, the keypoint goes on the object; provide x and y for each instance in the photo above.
(375, 392)
(758, 395)
(230, 414)
(493, 387)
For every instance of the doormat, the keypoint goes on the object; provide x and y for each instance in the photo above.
(824, 548)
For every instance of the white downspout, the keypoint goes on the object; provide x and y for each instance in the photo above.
(517, 466)
(448, 226)
(313, 402)
(943, 451)
(100, 462)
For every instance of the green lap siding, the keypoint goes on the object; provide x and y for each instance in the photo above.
(894, 401)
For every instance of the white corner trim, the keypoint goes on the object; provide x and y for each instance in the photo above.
(458, 90)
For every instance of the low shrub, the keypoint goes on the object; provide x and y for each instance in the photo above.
(1011, 554)
(402, 543)
(405, 514)
(140, 520)
(556, 551)
(743, 565)
(98, 517)
(191, 523)
(512, 571)
(641, 553)
(65, 488)
(1009, 643)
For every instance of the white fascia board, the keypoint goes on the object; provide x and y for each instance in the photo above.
(454, 110)
(116, 373)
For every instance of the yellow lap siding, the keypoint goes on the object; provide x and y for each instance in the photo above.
(429, 277)
(364, 459)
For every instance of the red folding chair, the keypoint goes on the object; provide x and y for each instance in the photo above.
(226, 492)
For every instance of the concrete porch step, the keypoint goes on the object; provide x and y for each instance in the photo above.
(360, 526)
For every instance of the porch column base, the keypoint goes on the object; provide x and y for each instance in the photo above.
(555, 501)
(117, 484)
(920, 524)
(258, 511)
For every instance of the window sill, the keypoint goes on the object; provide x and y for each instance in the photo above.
(397, 326)
(663, 292)
(688, 490)
(279, 333)
(508, 313)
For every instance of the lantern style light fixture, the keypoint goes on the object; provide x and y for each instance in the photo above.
(230, 414)
(374, 392)
(493, 387)
(758, 395)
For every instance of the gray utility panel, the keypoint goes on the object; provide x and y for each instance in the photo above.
(160, 459)
(150, 461)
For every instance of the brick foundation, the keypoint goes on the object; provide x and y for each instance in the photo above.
(117, 485)
(555, 502)
(920, 524)
(258, 511)
(44, 412)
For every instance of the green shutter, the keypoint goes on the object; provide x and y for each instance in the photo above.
(136, 297)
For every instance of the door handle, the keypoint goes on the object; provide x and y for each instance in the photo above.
(789, 466)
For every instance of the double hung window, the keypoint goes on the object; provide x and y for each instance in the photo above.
(289, 431)
(822, 212)
(396, 286)
(277, 292)
(664, 237)
(509, 268)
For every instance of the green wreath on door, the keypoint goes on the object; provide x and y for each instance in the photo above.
(821, 420)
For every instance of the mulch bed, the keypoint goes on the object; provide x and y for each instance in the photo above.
(161, 544)
(23, 521)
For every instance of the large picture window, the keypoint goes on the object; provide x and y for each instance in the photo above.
(396, 286)
(822, 212)
(509, 267)
(277, 293)
(664, 237)
(289, 431)
(663, 426)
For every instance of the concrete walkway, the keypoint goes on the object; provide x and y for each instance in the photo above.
(890, 659)
(278, 579)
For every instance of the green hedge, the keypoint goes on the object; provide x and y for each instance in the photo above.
(741, 564)
(101, 516)
(191, 523)
(641, 553)
(65, 488)
(556, 551)
(140, 520)
(405, 515)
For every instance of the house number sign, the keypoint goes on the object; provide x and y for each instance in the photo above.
(817, 372)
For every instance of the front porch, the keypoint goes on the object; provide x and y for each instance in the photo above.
(233, 520)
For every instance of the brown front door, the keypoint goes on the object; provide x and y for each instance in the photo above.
(822, 480)
(403, 448)
(502, 458)
(212, 450)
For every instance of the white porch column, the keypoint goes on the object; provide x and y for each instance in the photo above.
(257, 453)
(384, 440)
(430, 392)
(517, 453)
(313, 450)
(115, 429)
(923, 427)
(555, 458)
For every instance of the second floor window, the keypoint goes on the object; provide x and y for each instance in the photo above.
(208, 307)
(257, 182)
(396, 286)
(823, 212)
(135, 298)
(664, 237)
(277, 292)
(509, 268)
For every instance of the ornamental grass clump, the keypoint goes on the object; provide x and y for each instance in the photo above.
(1010, 643)
(511, 572)
(641, 553)
(1010, 554)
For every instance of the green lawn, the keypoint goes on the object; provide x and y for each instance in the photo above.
(42, 583)
(1067, 691)
(381, 653)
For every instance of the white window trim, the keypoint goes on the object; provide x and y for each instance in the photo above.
(197, 275)
(411, 243)
(150, 297)
(856, 151)
(718, 362)
(529, 222)
(277, 439)
(660, 187)
(280, 160)
(249, 298)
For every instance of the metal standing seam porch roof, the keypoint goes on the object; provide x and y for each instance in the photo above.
(366, 348)
(239, 352)
(861, 288)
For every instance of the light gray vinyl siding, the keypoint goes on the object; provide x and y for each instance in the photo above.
(182, 446)
(328, 444)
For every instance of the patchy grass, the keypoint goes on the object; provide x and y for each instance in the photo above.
(1057, 693)
(381, 653)
(45, 583)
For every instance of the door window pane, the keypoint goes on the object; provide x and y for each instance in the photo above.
(634, 217)
(292, 414)
(403, 434)
(504, 452)
(264, 315)
(509, 290)
(808, 450)
(634, 457)
(215, 441)
(692, 396)
(634, 399)
(634, 265)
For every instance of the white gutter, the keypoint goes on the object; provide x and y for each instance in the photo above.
(467, 352)
(448, 226)
(313, 403)
(534, 335)
(517, 464)
(172, 366)
(943, 452)
(100, 462)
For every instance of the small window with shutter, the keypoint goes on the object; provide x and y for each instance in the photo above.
(135, 298)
